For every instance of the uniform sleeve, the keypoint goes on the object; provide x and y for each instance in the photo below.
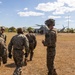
(5, 38)
(35, 41)
(47, 40)
(53, 39)
(26, 44)
(10, 46)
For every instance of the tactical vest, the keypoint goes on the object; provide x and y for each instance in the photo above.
(50, 38)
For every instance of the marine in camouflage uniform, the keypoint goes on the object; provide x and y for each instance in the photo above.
(32, 43)
(18, 42)
(50, 42)
(3, 49)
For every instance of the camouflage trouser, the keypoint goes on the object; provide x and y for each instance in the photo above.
(50, 60)
(18, 59)
(31, 52)
(3, 57)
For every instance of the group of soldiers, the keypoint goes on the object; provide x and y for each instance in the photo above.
(28, 42)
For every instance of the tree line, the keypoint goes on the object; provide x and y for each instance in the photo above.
(13, 29)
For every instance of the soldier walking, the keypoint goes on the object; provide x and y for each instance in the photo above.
(18, 42)
(32, 43)
(50, 42)
(3, 49)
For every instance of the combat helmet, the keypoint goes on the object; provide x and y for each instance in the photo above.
(19, 30)
(49, 22)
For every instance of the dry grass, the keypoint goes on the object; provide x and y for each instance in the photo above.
(64, 60)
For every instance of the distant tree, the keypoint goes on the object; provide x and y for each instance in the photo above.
(71, 30)
(30, 28)
(12, 29)
(6, 29)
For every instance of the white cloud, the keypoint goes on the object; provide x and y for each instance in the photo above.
(30, 13)
(68, 2)
(48, 6)
(54, 17)
(62, 10)
(25, 8)
(58, 7)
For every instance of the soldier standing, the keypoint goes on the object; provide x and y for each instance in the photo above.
(18, 42)
(3, 51)
(32, 43)
(50, 42)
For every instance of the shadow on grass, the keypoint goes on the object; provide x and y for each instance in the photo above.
(12, 65)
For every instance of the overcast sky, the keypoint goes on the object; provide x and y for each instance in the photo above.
(25, 13)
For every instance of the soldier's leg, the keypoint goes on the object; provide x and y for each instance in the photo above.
(4, 56)
(4, 59)
(26, 57)
(31, 54)
(50, 60)
(18, 58)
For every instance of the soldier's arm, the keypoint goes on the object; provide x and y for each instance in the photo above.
(26, 44)
(53, 39)
(5, 38)
(47, 40)
(10, 46)
(35, 41)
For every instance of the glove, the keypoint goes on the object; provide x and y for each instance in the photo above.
(26, 55)
(10, 55)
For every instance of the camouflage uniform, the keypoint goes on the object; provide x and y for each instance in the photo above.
(3, 45)
(18, 42)
(50, 42)
(32, 43)
(3, 51)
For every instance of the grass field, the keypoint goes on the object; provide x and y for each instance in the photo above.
(64, 60)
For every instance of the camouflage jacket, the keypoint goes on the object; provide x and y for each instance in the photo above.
(50, 38)
(18, 42)
(32, 40)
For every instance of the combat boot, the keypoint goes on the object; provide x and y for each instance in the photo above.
(25, 61)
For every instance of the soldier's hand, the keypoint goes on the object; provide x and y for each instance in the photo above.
(10, 55)
(43, 41)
